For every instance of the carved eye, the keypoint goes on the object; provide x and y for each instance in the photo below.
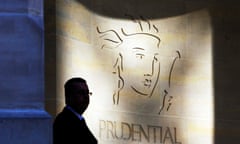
(139, 56)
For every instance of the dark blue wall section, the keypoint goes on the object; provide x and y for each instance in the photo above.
(23, 119)
(15, 6)
(21, 64)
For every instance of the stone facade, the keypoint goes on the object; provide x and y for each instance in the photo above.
(195, 98)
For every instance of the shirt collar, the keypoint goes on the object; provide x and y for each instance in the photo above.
(80, 117)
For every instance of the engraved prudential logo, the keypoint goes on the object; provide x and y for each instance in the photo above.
(137, 64)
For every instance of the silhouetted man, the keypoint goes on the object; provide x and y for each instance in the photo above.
(69, 126)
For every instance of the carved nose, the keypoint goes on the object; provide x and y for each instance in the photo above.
(149, 70)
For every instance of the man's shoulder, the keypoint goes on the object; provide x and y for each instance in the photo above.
(65, 120)
(64, 115)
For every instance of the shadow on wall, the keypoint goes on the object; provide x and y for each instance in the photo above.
(50, 55)
(226, 49)
(151, 9)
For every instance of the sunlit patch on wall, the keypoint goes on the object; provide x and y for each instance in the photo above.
(151, 78)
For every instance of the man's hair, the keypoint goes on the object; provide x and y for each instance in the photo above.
(69, 83)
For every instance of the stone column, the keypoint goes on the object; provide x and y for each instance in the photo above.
(23, 119)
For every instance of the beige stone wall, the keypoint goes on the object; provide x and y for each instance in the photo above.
(114, 45)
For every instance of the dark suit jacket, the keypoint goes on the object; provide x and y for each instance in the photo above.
(68, 129)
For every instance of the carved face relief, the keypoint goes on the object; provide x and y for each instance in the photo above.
(140, 63)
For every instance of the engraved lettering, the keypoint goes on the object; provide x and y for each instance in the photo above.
(135, 132)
